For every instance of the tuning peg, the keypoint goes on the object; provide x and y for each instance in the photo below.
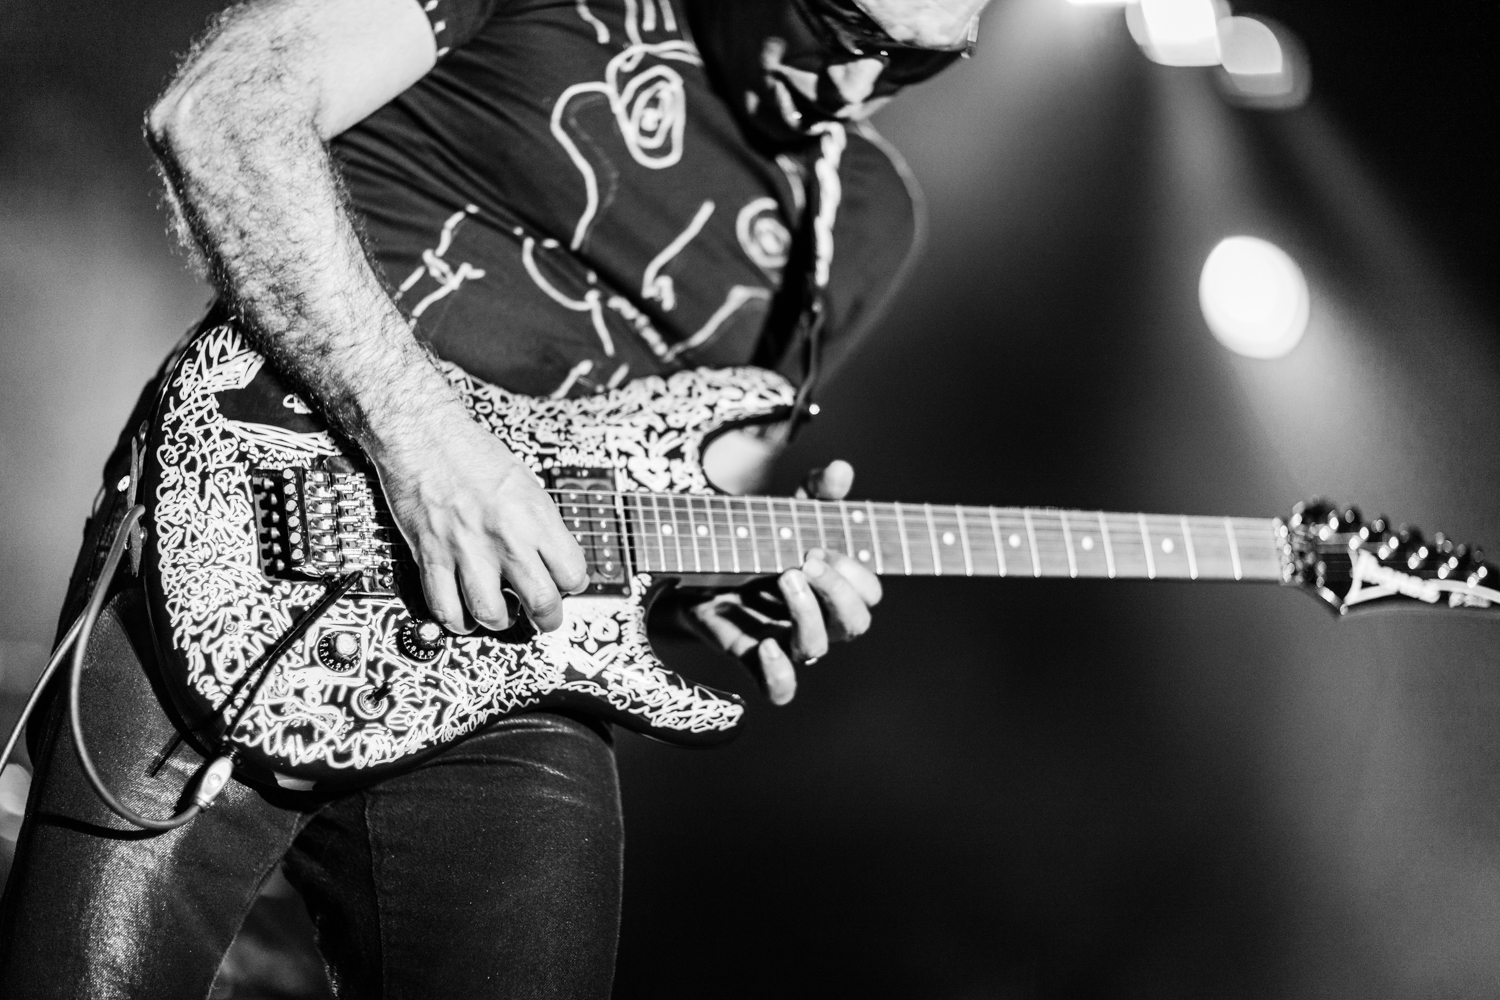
(1481, 573)
(1454, 561)
(1314, 511)
(1412, 546)
(1376, 530)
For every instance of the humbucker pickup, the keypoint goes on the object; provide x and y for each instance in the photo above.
(588, 502)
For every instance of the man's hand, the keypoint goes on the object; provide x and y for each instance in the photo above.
(474, 515)
(775, 627)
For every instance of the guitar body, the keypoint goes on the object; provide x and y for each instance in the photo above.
(355, 698)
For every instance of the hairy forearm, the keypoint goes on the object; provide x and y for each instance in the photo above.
(238, 140)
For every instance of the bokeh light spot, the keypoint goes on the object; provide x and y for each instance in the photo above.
(1254, 297)
(1176, 32)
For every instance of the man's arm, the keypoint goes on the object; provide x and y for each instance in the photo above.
(240, 134)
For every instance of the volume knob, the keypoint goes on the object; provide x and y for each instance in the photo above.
(338, 650)
(421, 640)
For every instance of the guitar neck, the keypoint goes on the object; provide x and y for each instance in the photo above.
(689, 534)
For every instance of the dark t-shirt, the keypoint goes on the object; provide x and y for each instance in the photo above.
(565, 202)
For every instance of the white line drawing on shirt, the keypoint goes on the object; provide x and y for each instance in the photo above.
(590, 303)
(762, 235)
(574, 374)
(641, 323)
(738, 296)
(650, 108)
(636, 21)
(433, 264)
(601, 31)
(658, 286)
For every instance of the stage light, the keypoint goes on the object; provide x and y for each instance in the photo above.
(1264, 66)
(1176, 32)
(1254, 297)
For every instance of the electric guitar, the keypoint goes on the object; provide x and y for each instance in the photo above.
(293, 638)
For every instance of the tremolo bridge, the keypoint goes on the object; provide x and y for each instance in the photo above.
(330, 520)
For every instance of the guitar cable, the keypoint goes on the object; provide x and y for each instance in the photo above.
(211, 779)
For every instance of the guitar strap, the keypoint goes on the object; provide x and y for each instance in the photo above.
(803, 301)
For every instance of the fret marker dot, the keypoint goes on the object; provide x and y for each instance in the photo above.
(666, 529)
(1166, 545)
(702, 529)
(947, 538)
(742, 531)
(859, 517)
(864, 555)
(786, 532)
(1088, 543)
(1015, 541)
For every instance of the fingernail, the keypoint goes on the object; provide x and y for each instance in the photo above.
(797, 580)
(815, 565)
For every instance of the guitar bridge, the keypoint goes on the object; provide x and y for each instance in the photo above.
(322, 523)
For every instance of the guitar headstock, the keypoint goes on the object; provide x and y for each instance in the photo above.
(1349, 563)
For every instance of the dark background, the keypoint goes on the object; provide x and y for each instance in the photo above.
(1009, 788)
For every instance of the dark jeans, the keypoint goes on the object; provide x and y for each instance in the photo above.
(492, 871)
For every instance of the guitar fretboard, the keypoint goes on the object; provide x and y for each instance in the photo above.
(689, 534)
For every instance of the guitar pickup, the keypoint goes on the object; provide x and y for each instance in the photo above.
(586, 498)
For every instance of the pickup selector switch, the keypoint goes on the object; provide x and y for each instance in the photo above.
(338, 650)
(421, 640)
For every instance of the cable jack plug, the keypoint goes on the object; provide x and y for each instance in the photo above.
(215, 777)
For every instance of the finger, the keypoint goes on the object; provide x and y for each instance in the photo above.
(440, 587)
(776, 667)
(480, 582)
(865, 583)
(848, 614)
(809, 633)
(564, 560)
(832, 482)
(722, 628)
(531, 581)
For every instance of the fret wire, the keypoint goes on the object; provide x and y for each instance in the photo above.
(1146, 544)
(963, 535)
(848, 535)
(1187, 541)
(796, 532)
(734, 538)
(875, 539)
(775, 541)
(754, 542)
(937, 559)
(1068, 542)
(1109, 550)
(999, 548)
(676, 533)
(1234, 549)
(818, 518)
(692, 533)
(640, 505)
(901, 530)
(626, 562)
(713, 535)
(1036, 563)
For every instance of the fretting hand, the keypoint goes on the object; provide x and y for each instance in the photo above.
(773, 627)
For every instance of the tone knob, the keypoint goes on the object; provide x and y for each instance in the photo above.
(338, 650)
(422, 640)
